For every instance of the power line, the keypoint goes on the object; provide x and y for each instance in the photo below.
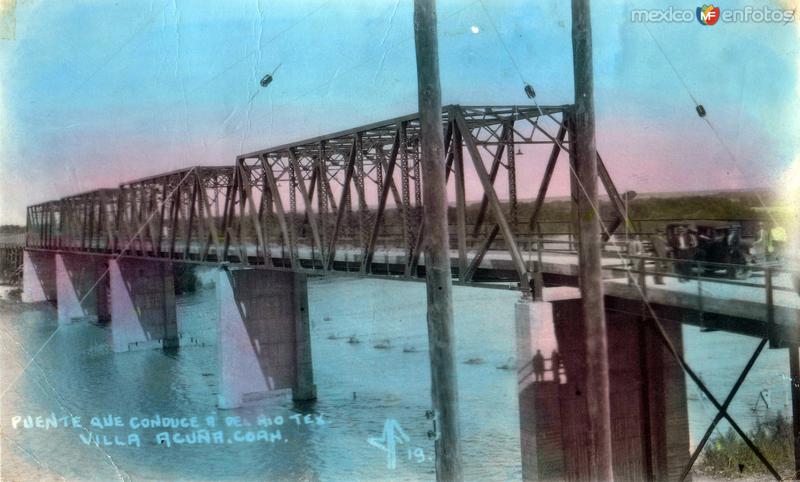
(502, 42)
(672, 66)
(703, 115)
(370, 61)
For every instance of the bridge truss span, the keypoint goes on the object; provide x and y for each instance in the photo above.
(349, 201)
(352, 201)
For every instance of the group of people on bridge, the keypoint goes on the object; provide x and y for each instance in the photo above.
(711, 244)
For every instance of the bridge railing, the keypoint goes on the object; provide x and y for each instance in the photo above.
(771, 277)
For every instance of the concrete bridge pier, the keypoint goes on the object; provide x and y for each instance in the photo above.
(142, 305)
(38, 276)
(649, 414)
(264, 342)
(82, 287)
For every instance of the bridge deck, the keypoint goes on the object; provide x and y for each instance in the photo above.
(707, 298)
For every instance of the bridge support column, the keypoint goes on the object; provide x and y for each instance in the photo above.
(538, 383)
(649, 414)
(38, 276)
(142, 305)
(264, 340)
(82, 287)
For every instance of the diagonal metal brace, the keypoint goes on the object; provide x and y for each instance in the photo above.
(671, 348)
(724, 409)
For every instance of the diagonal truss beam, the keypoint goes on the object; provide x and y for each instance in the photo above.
(348, 177)
(312, 216)
(496, 161)
(723, 412)
(548, 175)
(366, 262)
(662, 334)
(280, 212)
(494, 202)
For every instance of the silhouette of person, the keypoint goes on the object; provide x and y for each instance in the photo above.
(685, 246)
(661, 250)
(538, 366)
(555, 365)
(635, 248)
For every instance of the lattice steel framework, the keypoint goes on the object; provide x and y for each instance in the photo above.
(329, 203)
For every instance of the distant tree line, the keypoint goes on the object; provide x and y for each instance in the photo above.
(694, 207)
(11, 229)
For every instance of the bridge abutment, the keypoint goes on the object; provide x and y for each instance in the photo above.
(38, 276)
(81, 287)
(142, 305)
(264, 340)
(649, 413)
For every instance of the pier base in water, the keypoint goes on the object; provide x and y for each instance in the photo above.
(38, 276)
(142, 305)
(649, 413)
(82, 287)
(264, 340)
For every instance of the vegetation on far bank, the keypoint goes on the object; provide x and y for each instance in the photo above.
(728, 456)
(11, 229)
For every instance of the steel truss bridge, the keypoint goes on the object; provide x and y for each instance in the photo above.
(349, 201)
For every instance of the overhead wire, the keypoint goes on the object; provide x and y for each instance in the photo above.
(502, 42)
(341, 71)
(704, 116)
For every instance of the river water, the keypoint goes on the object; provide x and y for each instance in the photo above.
(362, 390)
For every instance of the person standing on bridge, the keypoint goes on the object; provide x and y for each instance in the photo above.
(685, 244)
(759, 247)
(635, 248)
(661, 251)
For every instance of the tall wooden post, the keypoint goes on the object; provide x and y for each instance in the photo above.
(441, 342)
(794, 373)
(585, 157)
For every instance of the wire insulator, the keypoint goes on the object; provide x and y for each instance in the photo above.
(529, 91)
(701, 111)
(266, 80)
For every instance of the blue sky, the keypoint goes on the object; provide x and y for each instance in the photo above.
(97, 92)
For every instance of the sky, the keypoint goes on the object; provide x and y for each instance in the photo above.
(93, 93)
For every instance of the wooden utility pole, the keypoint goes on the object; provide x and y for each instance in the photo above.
(584, 153)
(794, 373)
(441, 342)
